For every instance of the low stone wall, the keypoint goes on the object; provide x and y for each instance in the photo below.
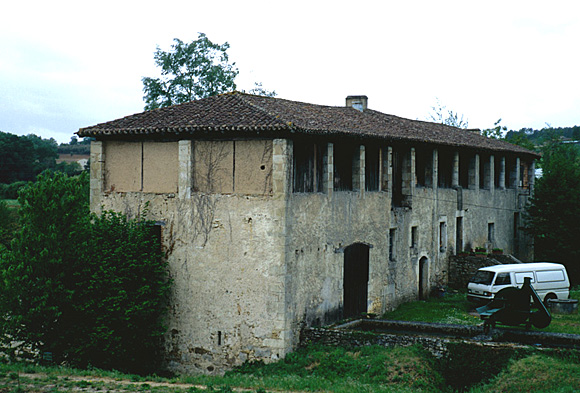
(434, 337)
(348, 338)
(462, 268)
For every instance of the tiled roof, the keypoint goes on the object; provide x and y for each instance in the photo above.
(245, 113)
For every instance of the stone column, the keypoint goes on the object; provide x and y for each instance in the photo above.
(387, 175)
(435, 169)
(491, 172)
(455, 173)
(502, 173)
(477, 173)
(328, 186)
(282, 165)
(518, 171)
(97, 173)
(185, 175)
(359, 167)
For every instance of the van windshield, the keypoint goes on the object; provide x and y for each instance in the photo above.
(482, 277)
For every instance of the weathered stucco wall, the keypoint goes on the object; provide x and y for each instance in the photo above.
(141, 166)
(225, 252)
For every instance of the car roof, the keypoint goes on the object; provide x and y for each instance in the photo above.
(522, 267)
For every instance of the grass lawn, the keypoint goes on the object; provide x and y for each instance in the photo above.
(368, 369)
(454, 308)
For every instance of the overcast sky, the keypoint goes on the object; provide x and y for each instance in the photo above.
(71, 64)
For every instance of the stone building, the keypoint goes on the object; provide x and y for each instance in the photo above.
(276, 214)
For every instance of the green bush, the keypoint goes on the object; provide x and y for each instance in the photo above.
(10, 191)
(89, 290)
(8, 223)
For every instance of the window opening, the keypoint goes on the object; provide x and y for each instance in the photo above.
(372, 167)
(459, 235)
(511, 172)
(503, 279)
(464, 164)
(496, 170)
(442, 236)
(392, 233)
(484, 171)
(445, 168)
(490, 232)
(343, 166)
(397, 173)
(424, 167)
(414, 240)
(308, 166)
(524, 175)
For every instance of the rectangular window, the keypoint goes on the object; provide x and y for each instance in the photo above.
(491, 232)
(524, 175)
(484, 172)
(464, 165)
(414, 240)
(344, 160)
(308, 168)
(423, 167)
(550, 275)
(520, 277)
(496, 170)
(442, 236)
(445, 168)
(503, 279)
(392, 234)
(510, 172)
(459, 235)
(372, 167)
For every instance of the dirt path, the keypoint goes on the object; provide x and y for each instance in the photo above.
(122, 382)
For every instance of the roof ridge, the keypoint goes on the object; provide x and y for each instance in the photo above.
(242, 96)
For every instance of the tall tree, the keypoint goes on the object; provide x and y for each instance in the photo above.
(189, 71)
(554, 211)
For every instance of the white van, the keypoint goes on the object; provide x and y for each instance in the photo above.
(550, 280)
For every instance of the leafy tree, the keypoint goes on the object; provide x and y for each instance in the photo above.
(554, 211)
(45, 153)
(496, 132)
(259, 90)
(520, 140)
(70, 168)
(440, 114)
(24, 157)
(8, 224)
(189, 71)
(90, 290)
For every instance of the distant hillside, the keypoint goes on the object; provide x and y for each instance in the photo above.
(538, 137)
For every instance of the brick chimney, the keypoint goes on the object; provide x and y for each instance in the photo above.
(357, 102)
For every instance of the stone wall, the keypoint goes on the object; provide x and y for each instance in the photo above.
(252, 261)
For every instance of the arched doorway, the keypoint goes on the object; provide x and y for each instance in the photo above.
(423, 281)
(356, 279)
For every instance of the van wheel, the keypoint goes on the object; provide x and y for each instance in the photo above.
(548, 297)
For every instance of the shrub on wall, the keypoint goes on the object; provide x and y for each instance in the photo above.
(89, 290)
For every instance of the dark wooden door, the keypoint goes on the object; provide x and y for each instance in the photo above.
(356, 279)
